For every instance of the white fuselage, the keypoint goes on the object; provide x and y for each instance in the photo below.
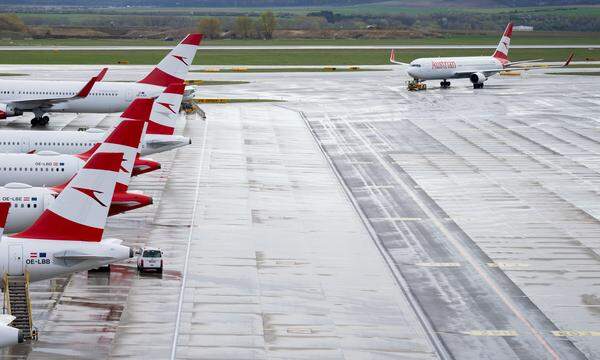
(46, 259)
(26, 204)
(77, 142)
(38, 169)
(448, 67)
(105, 97)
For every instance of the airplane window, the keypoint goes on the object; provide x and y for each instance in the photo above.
(28, 205)
(34, 205)
(22, 205)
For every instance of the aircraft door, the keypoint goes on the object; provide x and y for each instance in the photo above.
(15, 259)
(48, 200)
(129, 95)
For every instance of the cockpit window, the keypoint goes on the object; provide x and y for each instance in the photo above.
(415, 65)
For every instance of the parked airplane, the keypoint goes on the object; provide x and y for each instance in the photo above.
(42, 96)
(67, 237)
(161, 115)
(28, 202)
(475, 68)
(48, 168)
(8, 334)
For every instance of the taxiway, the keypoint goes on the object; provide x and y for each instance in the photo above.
(356, 220)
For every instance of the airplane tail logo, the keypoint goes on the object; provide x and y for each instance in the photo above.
(163, 117)
(79, 211)
(174, 67)
(91, 193)
(501, 52)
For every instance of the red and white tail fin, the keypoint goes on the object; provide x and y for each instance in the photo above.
(163, 117)
(125, 138)
(174, 67)
(501, 52)
(80, 210)
(4, 207)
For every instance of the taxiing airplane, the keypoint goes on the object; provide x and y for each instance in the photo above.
(8, 334)
(29, 202)
(161, 115)
(43, 96)
(67, 237)
(48, 168)
(475, 68)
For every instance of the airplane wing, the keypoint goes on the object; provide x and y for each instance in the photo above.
(49, 101)
(522, 62)
(490, 72)
(509, 66)
(393, 59)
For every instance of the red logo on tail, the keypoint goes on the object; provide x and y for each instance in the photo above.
(181, 58)
(168, 106)
(91, 193)
(122, 168)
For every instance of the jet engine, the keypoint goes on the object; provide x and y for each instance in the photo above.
(477, 78)
(7, 110)
(10, 336)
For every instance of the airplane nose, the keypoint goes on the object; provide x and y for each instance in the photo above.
(411, 72)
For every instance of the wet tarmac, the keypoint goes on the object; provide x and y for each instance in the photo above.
(356, 220)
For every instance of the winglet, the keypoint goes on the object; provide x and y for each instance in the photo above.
(393, 59)
(569, 59)
(101, 74)
(4, 206)
(84, 92)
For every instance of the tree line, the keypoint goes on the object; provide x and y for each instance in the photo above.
(244, 27)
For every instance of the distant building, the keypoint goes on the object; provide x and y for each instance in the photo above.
(523, 28)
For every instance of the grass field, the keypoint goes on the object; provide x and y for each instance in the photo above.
(386, 7)
(272, 57)
(522, 38)
(286, 69)
(582, 73)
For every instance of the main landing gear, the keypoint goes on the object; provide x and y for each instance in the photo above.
(40, 119)
(445, 84)
(478, 86)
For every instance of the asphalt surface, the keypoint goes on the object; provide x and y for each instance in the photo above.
(356, 220)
